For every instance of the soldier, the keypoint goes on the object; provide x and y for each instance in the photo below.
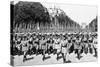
(95, 46)
(44, 47)
(25, 47)
(30, 42)
(50, 46)
(18, 45)
(57, 46)
(36, 45)
(65, 50)
(85, 41)
(90, 44)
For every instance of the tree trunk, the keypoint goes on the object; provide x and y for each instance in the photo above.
(38, 28)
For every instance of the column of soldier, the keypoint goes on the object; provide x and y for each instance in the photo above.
(61, 45)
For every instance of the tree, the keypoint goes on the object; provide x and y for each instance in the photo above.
(62, 19)
(93, 24)
(30, 13)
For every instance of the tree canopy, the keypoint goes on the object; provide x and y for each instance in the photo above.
(24, 12)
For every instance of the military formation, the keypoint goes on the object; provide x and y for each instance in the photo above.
(60, 44)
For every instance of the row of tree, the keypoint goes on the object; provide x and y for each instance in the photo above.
(93, 25)
(29, 13)
(35, 16)
(59, 17)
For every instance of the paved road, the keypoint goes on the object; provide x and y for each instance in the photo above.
(18, 61)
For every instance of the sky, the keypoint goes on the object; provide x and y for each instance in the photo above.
(82, 14)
